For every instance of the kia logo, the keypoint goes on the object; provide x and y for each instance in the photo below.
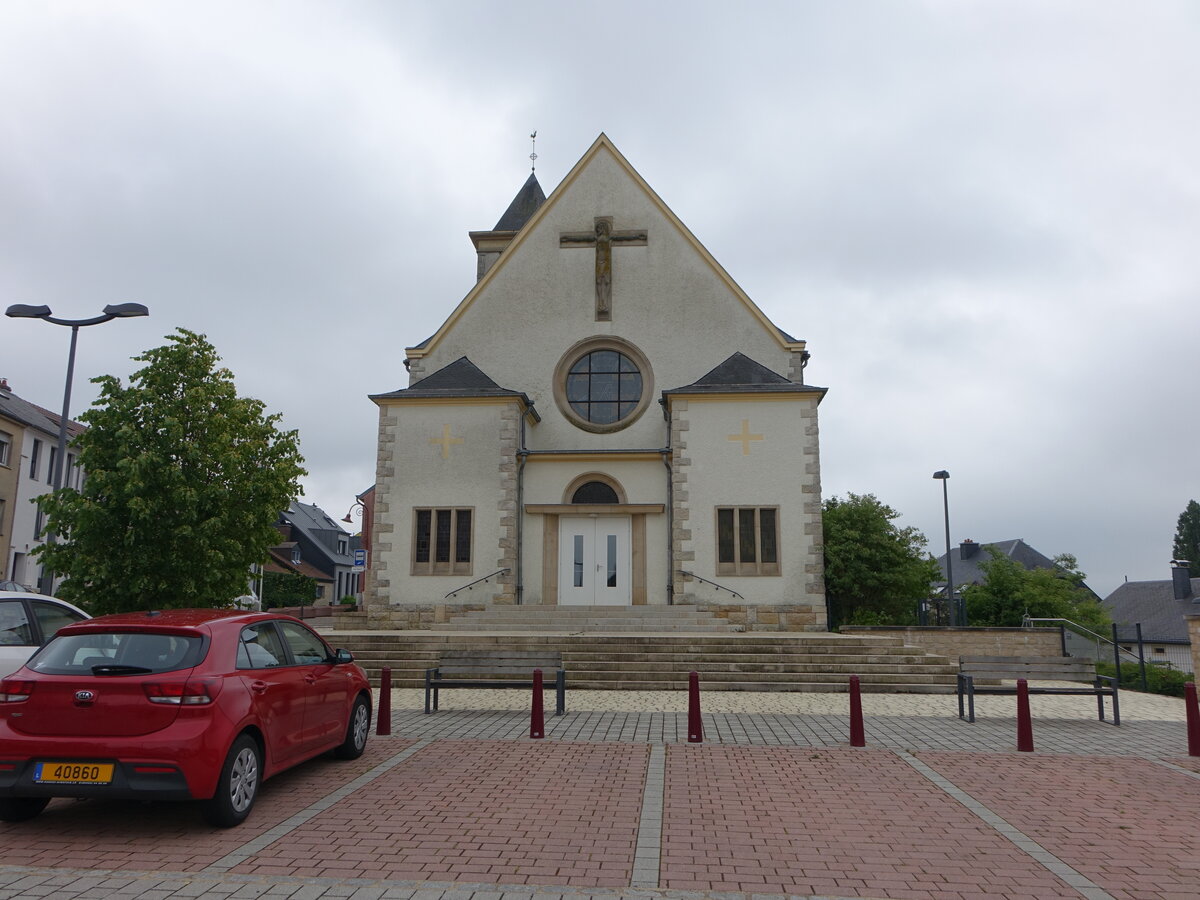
(85, 696)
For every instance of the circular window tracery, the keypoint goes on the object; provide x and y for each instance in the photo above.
(604, 387)
(603, 384)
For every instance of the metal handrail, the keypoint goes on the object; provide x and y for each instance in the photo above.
(1082, 631)
(467, 587)
(719, 587)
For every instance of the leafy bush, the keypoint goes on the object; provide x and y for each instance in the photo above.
(1160, 678)
(287, 589)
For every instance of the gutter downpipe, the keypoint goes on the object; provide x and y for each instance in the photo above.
(522, 455)
(666, 457)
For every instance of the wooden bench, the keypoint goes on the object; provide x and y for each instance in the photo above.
(1034, 668)
(496, 669)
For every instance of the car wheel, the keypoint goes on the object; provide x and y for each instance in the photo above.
(356, 731)
(18, 809)
(237, 787)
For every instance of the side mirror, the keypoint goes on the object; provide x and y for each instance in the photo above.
(343, 656)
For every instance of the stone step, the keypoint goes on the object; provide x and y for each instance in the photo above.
(658, 661)
(575, 661)
(765, 644)
(609, 625)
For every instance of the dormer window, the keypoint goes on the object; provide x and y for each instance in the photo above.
(295, 556)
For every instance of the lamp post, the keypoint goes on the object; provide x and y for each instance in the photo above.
(956, 609)
(112, 311)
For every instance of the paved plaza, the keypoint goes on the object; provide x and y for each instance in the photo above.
(615, 803)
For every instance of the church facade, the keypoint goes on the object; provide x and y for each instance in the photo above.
(605, 419)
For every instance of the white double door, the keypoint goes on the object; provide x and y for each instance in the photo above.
(594, 561)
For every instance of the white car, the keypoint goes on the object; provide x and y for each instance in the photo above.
(28, 621)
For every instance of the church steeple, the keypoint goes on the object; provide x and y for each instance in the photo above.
(489, 244)
(524, 205)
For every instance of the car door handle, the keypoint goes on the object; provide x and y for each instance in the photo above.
(259, 687)
(310, 679)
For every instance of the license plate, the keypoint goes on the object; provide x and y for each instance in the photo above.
(73, 773)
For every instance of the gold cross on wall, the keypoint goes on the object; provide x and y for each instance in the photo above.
(745, 437)
(604, 239)
(445, 440)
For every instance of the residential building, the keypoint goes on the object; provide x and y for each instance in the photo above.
(1161, 608)
(316, 546)
(28, 451)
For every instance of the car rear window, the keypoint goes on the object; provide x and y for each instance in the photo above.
(118, 653)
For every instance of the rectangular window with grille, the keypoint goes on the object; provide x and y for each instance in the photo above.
(442, 541)
(747, 540)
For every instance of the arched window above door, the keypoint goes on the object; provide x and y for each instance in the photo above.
(595, 492)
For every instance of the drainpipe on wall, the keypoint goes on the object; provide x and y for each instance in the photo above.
(670, 522)
(522, 455)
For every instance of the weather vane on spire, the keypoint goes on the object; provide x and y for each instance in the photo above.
(533, 155)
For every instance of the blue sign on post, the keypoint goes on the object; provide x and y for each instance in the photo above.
(360, 557)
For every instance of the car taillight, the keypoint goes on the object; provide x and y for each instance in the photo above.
(14, 691)
(194, 692)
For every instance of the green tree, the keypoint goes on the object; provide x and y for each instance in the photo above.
(1010, 592)
(875, 572)
(1187, 535)
(185, 480)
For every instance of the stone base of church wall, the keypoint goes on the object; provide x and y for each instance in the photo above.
(766, 616)
(417, 616)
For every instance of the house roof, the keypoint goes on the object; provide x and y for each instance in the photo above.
(1153, 604)
(319, 533)
(34, 416)
(523, 206)
(281, 561)
(741, 374)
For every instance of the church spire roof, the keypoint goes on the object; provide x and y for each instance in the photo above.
(523, 206)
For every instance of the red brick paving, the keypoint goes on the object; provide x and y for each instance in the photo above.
(827, 821)
(1129, 825)
(481, 811)
(172, 837)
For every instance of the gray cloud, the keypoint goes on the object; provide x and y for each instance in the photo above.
(983, 218)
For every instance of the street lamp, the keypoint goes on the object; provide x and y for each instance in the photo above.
(112, 311)
(957, 609)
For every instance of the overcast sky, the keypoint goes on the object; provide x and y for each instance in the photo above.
(983, 217)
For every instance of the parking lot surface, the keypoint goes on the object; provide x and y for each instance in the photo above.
(614, 802)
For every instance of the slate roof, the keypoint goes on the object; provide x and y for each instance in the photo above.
(33, 415)
(969, 571)
(1153, 604)
(462, 378)
(320, 534)
(741, 374)
(523, 206)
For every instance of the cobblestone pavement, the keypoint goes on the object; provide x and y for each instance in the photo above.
(615, 803)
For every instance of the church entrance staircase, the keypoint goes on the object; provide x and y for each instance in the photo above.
(654, 648)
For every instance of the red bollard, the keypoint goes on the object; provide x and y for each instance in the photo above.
(1193, 718)
(857, 736)
(695, 726)
(1024, 720)
(383, 721)
(537, 719)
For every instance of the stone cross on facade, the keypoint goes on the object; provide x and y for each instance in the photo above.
(604, 239)
(745, 437)
(446, 441)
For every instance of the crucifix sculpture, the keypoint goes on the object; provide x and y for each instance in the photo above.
(604, 239)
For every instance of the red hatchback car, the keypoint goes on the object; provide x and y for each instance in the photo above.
(188, 704)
